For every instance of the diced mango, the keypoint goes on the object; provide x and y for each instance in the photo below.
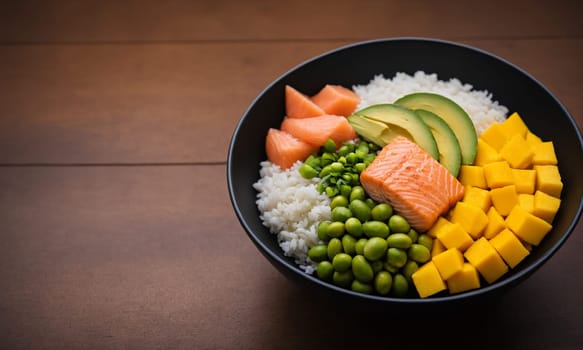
(544, 154)
(472, 175)
(485, 153)
(545, 206)
(526, 201)
(526, 226)
(441, 221)
(478, 197)
(548, 180)
(495, 136)
(437, 247)
(449, 262)
(471, 218)
(504, 199)
(532, 139)
(517, 152)
(466, 279)
(427, 280)
(514, 125)
(486, 259)
(498, 174)
(495, 223)
(524, 179)
(454, 236)
(509, 247)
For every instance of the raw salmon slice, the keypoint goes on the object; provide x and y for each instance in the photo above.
(416, 185)
(337, 100)
(298, 105)
(317, 130)
(284, 149)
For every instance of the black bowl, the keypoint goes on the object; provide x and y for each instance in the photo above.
(358, 64)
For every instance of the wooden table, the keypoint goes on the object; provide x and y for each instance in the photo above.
(116, 227)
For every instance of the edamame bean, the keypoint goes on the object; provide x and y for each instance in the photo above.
(396, 257)
(359, 246)
(357, 193)
(353, 226)
(383, 282)
(409, 269)
(342, 262)
(348, 243)
(341, 214)
(397, 223)
(359, 167)
(392, 269)
(307, 171)
(334, 247)
(414, 235)
(362, 150)
(335, 229)
(370, 202)
(419, 253)
(361, 269)
(337, 167)
(375, 228)
(318, 253)
(329, 145)
(400, 286)
(360, 287)
(345, 190)
(426, 241)
(343, 279)
(325, 270)
(323, 231)
(339, 201)
(313, 161)
(360, 210)
(377, 266)
(399, 240)
(351, 158)
(327, 158)
(381, 212)
(375, 248)
(345, 149)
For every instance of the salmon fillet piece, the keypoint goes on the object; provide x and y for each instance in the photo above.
(409, 179)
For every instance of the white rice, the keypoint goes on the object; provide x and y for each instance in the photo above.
(292, 208)
(478, 104)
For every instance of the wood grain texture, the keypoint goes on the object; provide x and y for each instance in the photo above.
(153, 257)
(164, 103)
(203, 20)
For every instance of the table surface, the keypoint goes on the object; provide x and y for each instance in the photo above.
(117, 231)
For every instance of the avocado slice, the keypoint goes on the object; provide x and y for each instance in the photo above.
(457, 119)
(399, 121)
(447, 144)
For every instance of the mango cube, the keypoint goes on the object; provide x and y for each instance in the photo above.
(526, 201)
(526, 226)
(524, 180)
(509, 247)
(441, 221)
(449, 262)
(514, 125)
(495, 223)
(485, 153)
(437, 247)
(486, 259)
(478, 197)
(517, 152)
(495, 136)
(545, 206)
(471, 175)
(466, 279)
(504, 199)
(544, 154)
(454, 236)
(498, 174)
(471, 218)
(427, 280)
(548, 180)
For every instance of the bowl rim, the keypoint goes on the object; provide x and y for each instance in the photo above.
(483, 290)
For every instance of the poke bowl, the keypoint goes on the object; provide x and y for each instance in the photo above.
(388, 75)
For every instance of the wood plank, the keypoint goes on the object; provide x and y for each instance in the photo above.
(166, 103)
(138, 20)
(153, 257)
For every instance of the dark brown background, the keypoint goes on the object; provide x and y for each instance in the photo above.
(116, 227)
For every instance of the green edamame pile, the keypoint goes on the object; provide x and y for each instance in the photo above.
(365, 247)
